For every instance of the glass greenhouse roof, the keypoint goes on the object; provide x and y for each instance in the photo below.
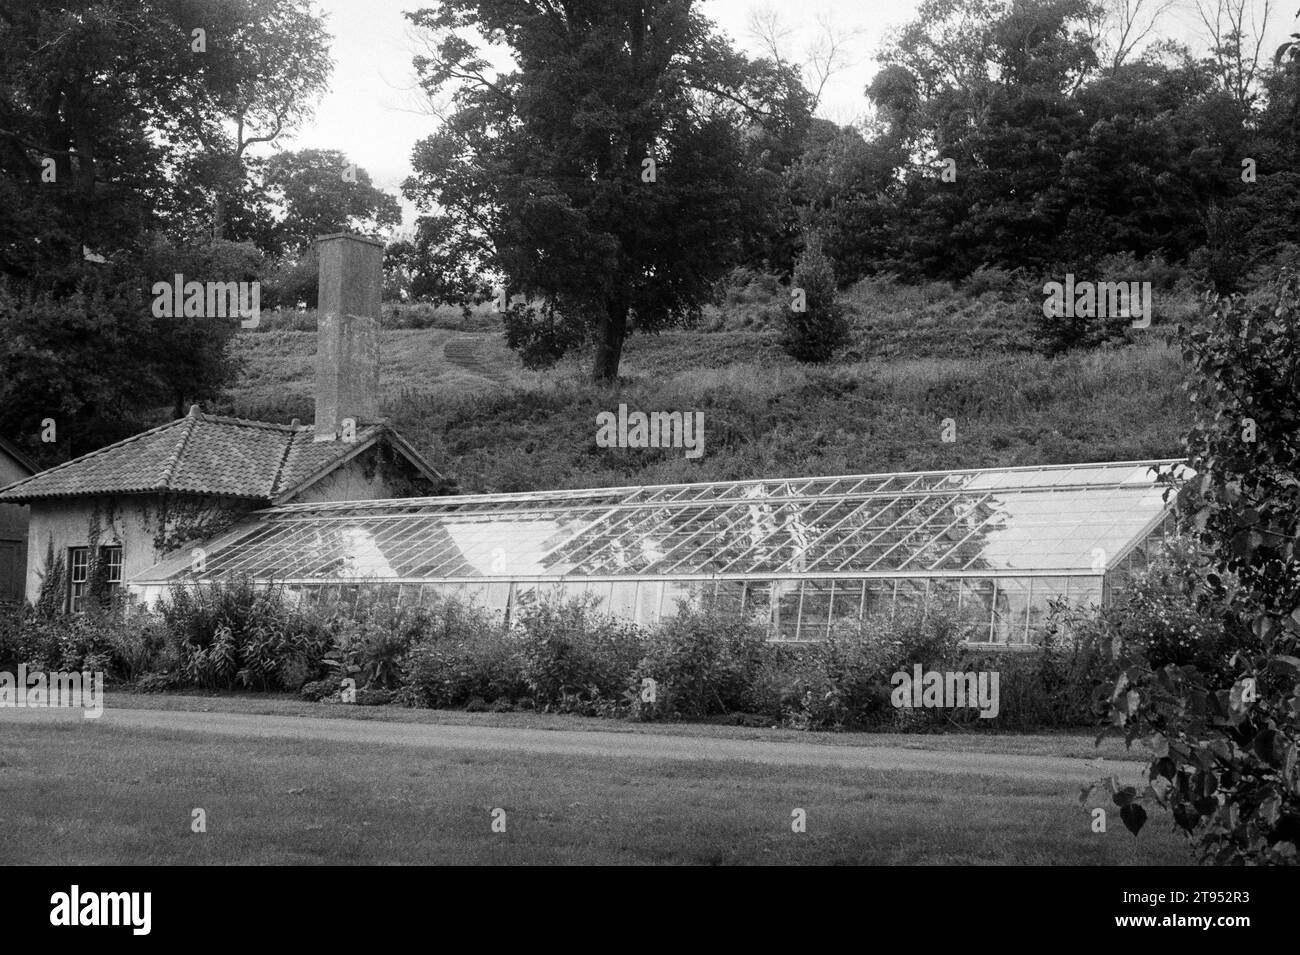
(1071, 519)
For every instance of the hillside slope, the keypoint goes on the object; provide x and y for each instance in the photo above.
(460, 395)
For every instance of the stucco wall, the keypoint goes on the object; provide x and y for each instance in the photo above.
(361, 479)
(132, 522)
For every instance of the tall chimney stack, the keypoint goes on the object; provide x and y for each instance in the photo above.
(347, 329)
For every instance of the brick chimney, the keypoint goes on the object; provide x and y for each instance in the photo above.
(347, 329)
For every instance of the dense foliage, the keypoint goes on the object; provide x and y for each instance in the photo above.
(1225, 733)
(614, 173)
(564, 657)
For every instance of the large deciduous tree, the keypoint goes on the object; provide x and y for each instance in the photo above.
(116, 134)
(321, 192)
(612, 171)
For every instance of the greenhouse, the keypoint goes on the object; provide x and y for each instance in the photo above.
(798, 555)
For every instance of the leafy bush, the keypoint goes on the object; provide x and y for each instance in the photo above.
(373, 637)
(1226, 741)
(452, 671)
(843, 682)
(1169, 615)
(461, 652)
(575, 657)
(992, 280)
(846, 681)
(240, 634)
(1055, 685)
(316, 690)
(292, 280)
(702, 662)
(123, 645)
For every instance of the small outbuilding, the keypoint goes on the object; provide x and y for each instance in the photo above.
(94, 522)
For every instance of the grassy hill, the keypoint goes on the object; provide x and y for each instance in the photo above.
(918, 356)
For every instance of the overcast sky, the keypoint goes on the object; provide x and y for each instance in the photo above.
(373, 110)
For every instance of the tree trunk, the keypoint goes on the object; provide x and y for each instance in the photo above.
(610, 334)
(219, 215)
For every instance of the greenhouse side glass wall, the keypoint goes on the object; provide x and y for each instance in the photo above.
(799, 556)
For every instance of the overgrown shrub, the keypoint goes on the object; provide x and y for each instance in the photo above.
(450, 672)
(239, 634)
(461, 652)
(845, 681)
(702, 663)
(123, 645)
(373, 636)
(1168, 616)
(1054, 685)
(575, 657)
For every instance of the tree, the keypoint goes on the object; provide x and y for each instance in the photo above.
(829, 53)
(1121, 27)
(984, 89)
(1235, 30)
(815, 325)
(83, 87)
(321, 193)
(263, 64)
(609, 173)
(843, 187)
(113, 129)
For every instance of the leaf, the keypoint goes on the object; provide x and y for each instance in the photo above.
(1292, 662)
(1270, 747)
(1134, 817)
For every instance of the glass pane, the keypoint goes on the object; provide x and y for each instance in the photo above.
(879, 598)
(649, 597)
(847, 605)
(497, 597)
(598, 592)
(758, 603)
(727, 598)
(909, 595)
(676, 593)
(945, 593)
(785, 595)
(1011, 610)
(622, 601)
(815, 614)
(977, 602)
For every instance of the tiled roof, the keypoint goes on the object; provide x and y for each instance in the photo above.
(207, 454)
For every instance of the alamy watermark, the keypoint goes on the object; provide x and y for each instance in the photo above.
(74, 907)
(932, 689)
(658, 429)
(1069, 299)
(37, 689)
(182, 299)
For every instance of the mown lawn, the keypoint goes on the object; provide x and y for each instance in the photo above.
(93, 793)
